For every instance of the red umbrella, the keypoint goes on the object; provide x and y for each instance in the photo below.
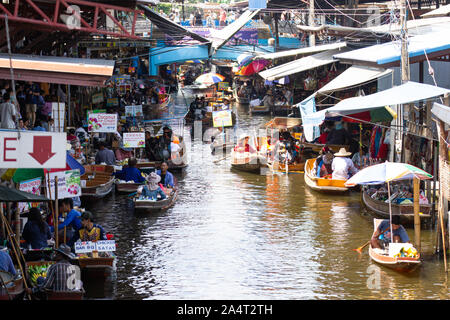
(252, 67)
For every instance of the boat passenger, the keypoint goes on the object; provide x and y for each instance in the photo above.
(322, 165)
(152, 189)
(90, 231)
(244, 146)
(226, 104)
(36, 231)
(130, 172)
(58, 274)
(382, 236)
(6, 263)
(71, 222)
(342, 166)
(105, 155)
(166, 176)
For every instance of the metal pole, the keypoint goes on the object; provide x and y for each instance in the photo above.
(11, 70)
(312, 37)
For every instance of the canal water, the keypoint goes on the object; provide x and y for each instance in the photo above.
(235, 235)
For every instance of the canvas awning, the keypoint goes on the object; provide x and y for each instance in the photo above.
(168, 26)
(441, 11)
(434, 44)
(441, 112)
(221, 37)
(300, 65)
(354, 76)
(283, 123)
(376, 103)
(301, 51)
(74, 71)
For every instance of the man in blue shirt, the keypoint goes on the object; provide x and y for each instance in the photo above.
(166, 176)
(72, 221)
(130, 173)
(6, 263)
(38, 126)
(382, 236)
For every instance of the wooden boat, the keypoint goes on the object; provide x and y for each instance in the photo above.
(147, 166)
(259, 109)
(401, 264)
(64, 295)
(219, 145)
(322, 184)
(15, 287)
(123, 187)
(97, 181)
(292, 167)
(380, 209)
(248, 162)
(240, 99)
(149, 206)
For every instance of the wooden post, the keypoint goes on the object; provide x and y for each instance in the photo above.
(17, 219)
(56, 218)
(416, 183)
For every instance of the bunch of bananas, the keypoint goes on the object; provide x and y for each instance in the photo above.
(36, 271)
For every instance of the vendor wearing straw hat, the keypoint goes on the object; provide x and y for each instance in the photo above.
(342, 166)
(226, 104)
(152, 189)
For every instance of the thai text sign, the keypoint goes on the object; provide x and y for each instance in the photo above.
(222, 118)
(31, 186)
(133, 111)
(100, 246)
(102, 122)
(69, 184)
(134, 139)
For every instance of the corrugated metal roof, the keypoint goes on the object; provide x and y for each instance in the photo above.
(59, 64)
(306, 50)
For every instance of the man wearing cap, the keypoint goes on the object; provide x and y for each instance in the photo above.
(58, 274)
(90, 231)
(382, 236)
(342, 166)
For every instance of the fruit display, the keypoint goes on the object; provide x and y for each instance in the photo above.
(410, 253)
(36, 271)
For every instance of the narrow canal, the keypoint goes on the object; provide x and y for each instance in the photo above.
(234, 235)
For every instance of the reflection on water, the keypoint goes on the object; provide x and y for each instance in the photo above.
(234, 235)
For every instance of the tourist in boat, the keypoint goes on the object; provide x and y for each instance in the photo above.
(342, 166)
(226, 104)
(36, 231)
(166, 176)
(382, 236)
(165, 143)
(152, 189)
(339, 135)
(268, 100)
(244, 146)
(58, 274)
(90, 231)
(6, 263)
(322, 165)
(130, 172)
(105, 155)
(72, 221)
